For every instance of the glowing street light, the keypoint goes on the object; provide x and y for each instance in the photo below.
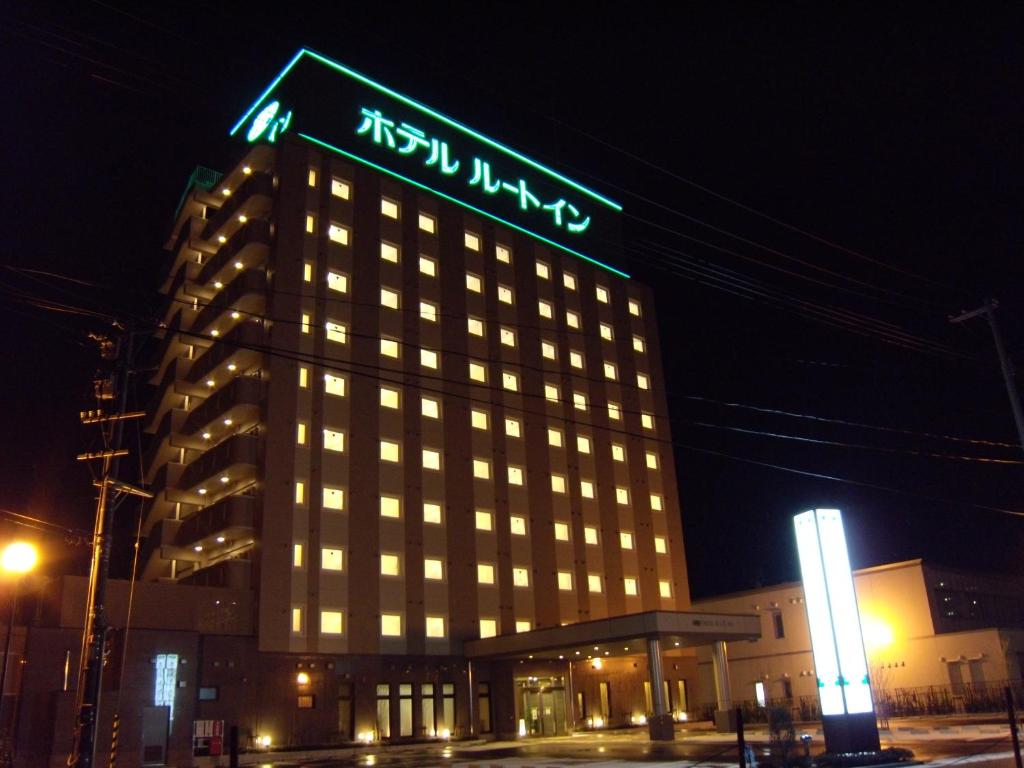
(17, 559)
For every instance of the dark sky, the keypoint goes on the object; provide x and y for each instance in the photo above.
(894, 138)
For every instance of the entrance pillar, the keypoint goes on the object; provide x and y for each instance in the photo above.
(725, 717)
(660, 726)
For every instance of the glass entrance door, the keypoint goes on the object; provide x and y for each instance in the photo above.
(542, 706)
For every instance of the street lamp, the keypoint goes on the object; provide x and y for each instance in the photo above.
(17, 559)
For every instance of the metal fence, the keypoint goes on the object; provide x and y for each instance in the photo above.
(893, 702)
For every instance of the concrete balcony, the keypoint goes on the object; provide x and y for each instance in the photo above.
(249, 245)
(253, 199)
(231, 519)
(202, 482)
(238, 404)
(233, 573)
(240, 347)
(245, 294)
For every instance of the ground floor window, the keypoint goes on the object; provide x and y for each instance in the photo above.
(383, 711)
(427, 709)
(483, 698)
(447, 723)
(405, 709)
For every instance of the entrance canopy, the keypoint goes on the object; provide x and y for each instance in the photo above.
(618, 636)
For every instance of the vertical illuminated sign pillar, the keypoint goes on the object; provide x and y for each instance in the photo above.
(840, 664)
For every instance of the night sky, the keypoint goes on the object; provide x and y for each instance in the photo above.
(803, 185)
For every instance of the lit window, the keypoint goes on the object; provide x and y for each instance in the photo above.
(504, 294)
(431, 459)
(311, 177)
(390, 625)
(664, 589)
(296, 620)
(523, 626)
(510, 381)
(428, 311)
(485, 573)
(602, 294)
(565, 581)
(337, 282)
(642, 381)
(660, 545)
(300, 433)
(614, 411)
(579, 401)
(652, 459)
(297, 556)
(569, 281)
(300, 492)
(646, 421)
(475, 326)
(389, 252)
(517, 525)
(625, 540)
(389, 565)
(488, 627)
(427, 223)
(305, 322)
(340, 188)
(610, 372)
(332, 559)
(477, 371)
(336, 332)
(330, 622)
(561, 532)
(515, 475)
(433, 569)
(428, 266)
(390, 506)
(622, 495)
(430, 408)
(508, 337)
(481, 469)
(656, 502)
(334, 498)
(634, 307)
(551, 393)
(586, 489)
(428, 358)
(431, 513)
(618, 452)
(503, 254)
(389, 451)
(388, 298)
(478, 419)
(547, 350)
(638, 344)
(484, 520)
(337, 234)
(389, 398)
(572, 319)
(630, 586)
(472, 241)
(307, 272)
(606, 331)
(435, 626)
(543, 270)
(310, 223)
(474, 283)
(575, 359)
(582, 444)
(520, 577)
(555, 437)
(389, 208)
(334, 441)
(594, 583)
(513, 428)
(545, 309)
(558, 483)
(590, 535)
(334, 385)
(389, 347)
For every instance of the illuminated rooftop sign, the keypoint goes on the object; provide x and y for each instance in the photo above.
(369, 123)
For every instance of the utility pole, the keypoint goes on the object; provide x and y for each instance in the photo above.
(989, 310)
(94, 637)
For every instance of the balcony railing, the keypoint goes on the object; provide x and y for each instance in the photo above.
(231, 517)
(246, 337)
(242, 391)
(245, 293)
(257, 184)
(255, 233)
(236, 450)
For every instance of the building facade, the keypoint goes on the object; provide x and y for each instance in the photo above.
(406, 418)
(937, 639)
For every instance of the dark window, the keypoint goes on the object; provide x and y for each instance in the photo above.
(780, 630)
(208, 694)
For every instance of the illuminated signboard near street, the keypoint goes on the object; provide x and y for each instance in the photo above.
(343, 111)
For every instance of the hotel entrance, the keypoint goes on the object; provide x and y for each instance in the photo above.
(541, 706)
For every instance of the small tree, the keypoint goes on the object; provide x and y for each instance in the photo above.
(783, 738)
